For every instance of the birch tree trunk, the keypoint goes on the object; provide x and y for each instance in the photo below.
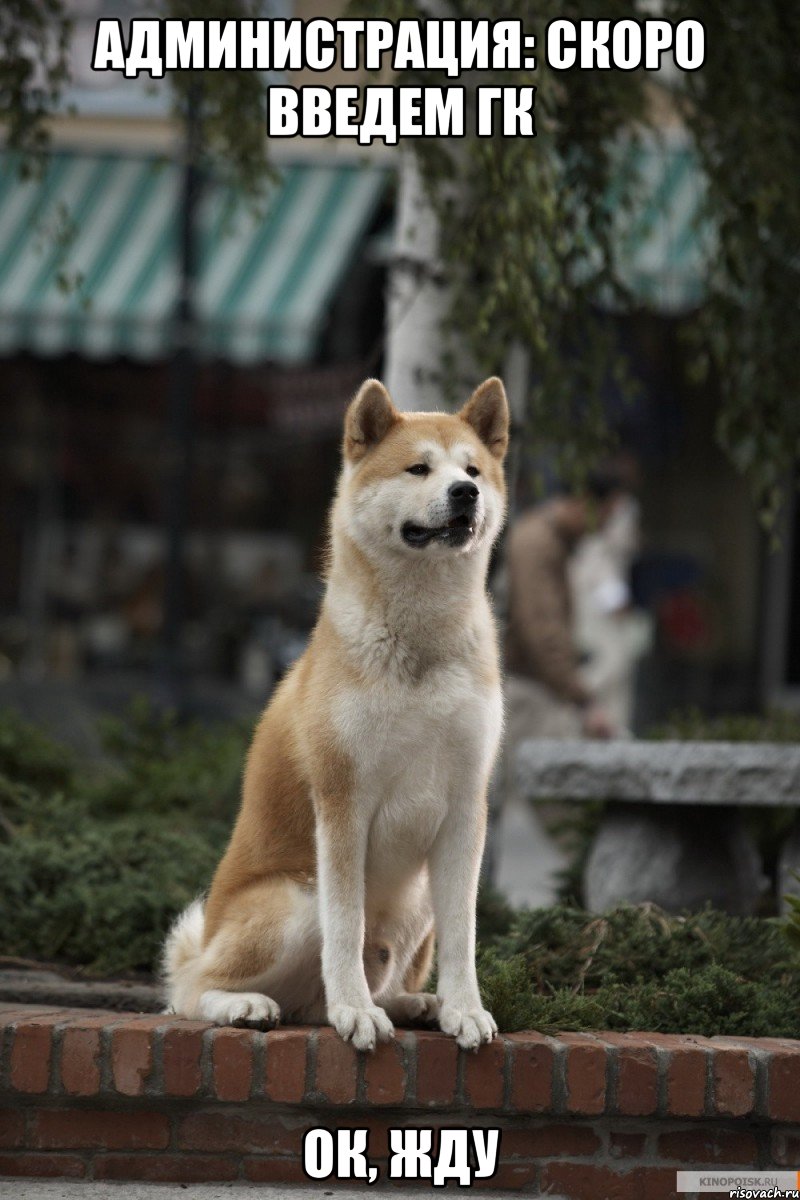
(418, 298)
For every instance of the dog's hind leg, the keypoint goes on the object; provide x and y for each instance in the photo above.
(419, 968)
(411, 1003)
(261, 959)
(250, 1009)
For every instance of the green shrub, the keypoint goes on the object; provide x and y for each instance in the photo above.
(637, 968)
(567, 947)
(160, 765)
(100, 894)
(30, 756)
(710, 1002)
(495, 915)
(95, 863)
(792, 922)
(692, 725)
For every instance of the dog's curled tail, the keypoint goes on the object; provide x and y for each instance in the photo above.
(182, 950)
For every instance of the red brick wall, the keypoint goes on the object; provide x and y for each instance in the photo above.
(586, 1116)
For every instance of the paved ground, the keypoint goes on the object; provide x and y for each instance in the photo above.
(527, 858)
(70, 710)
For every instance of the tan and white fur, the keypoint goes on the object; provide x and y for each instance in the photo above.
(363, 814)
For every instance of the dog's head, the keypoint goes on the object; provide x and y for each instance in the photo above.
(427, 484)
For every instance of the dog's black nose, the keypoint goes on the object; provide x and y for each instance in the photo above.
(462, 494)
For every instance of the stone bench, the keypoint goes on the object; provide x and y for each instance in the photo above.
(672, 831)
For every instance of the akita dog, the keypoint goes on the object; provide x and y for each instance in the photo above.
(363, 814)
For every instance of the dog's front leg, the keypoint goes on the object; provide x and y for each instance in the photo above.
(341, 856)
(454, 866)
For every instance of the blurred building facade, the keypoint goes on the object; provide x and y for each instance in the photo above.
(290, 316)
(288, 307)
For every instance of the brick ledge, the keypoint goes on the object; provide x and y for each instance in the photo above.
(121, 1095)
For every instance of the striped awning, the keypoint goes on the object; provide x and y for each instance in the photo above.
(663, 244)
(89, 257)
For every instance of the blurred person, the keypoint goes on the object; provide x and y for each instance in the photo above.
(611, 634)
(547, 695)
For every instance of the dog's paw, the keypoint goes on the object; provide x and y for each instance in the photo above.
(413, 1006)
(469, 1026)
(250, 1009)
(361, 1026)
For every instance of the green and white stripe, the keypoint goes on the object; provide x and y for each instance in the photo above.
(266, 277)
(663, 244)
(107, 227)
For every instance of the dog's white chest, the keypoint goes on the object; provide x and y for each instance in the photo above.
(392, 731)
(416, 750)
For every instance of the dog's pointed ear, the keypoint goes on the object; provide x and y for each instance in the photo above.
(369, 418)
(487, 412)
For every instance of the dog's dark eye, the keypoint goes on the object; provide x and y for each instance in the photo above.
(419, 469)
(472, 471)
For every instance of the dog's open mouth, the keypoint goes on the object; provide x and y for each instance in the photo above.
(456, 532)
